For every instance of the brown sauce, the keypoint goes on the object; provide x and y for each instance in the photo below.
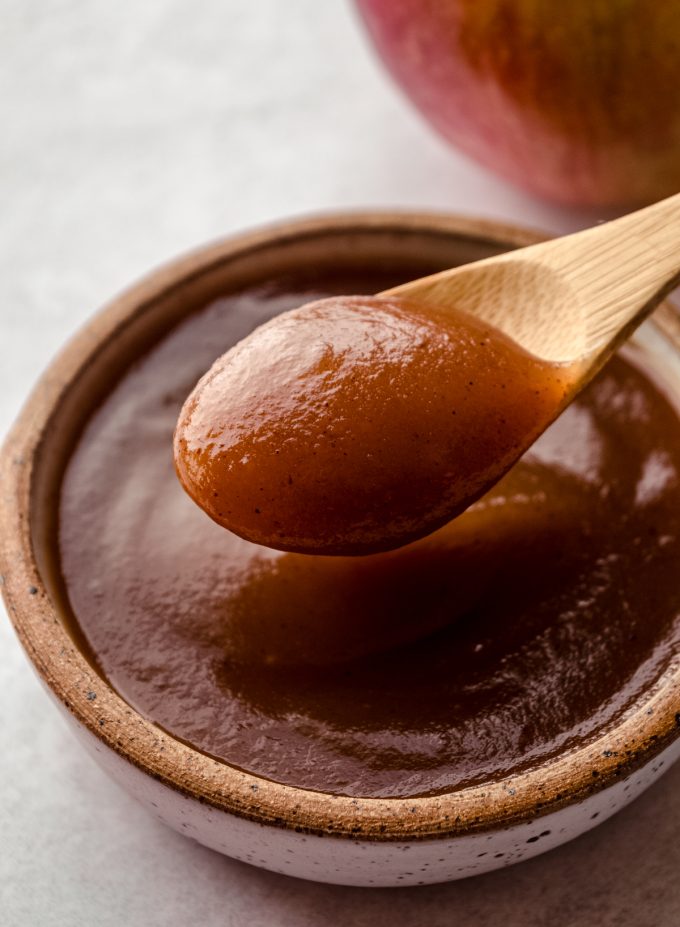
(356, 424)
(526, 625)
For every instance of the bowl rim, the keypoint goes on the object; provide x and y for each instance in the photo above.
(643, 732)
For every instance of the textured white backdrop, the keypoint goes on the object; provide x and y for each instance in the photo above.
(129, 131)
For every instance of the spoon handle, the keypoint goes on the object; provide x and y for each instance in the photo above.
(619, 271)
(570, 299)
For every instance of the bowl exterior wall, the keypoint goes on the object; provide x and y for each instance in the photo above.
(368, 863)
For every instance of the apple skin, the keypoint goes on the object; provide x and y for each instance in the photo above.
(578, 102)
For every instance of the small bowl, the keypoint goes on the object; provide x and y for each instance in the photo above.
(286, 829)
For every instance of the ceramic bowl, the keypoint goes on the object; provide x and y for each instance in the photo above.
(290, 830)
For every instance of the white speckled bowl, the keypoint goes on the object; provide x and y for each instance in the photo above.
(290, 830)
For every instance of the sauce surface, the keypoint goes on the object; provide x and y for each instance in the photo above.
(356, 424)
(528, 624)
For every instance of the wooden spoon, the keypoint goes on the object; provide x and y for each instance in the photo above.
(357, 424)
(573, 299)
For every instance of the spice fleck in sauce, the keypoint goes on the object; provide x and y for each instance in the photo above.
(357, 424)
(526, 625)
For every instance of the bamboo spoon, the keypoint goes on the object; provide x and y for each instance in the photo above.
(573, 299)
(357, 424)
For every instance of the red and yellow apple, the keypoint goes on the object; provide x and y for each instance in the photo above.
(578, 101)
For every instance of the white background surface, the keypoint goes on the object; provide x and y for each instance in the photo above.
(130, 131)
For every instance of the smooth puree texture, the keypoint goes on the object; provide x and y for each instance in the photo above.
(356, 424)
(526, 625)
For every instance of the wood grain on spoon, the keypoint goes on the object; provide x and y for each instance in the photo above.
(357, 424)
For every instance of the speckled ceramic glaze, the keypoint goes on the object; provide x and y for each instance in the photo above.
(286, 829)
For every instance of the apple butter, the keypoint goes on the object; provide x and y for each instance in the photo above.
(356, 424)
(525, 626)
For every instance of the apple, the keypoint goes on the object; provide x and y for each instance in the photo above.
(578, 102)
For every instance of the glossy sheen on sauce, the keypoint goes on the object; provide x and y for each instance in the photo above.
(529, 623)
(356, 424)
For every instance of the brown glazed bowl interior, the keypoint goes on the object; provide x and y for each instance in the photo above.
(32, 466)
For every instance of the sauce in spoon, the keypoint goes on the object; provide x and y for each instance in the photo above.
(356, 424)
